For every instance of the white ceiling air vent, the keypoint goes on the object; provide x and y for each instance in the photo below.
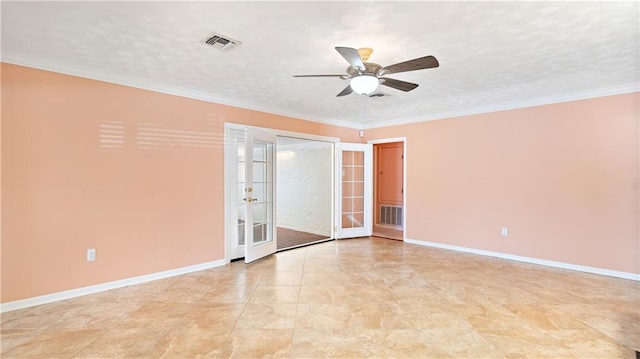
(220, 42)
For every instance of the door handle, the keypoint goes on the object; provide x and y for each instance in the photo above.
(249, 199)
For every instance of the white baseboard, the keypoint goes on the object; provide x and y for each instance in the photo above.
(73, 293)
(544, 262)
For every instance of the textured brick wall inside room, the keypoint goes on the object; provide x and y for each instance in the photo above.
(304, 188)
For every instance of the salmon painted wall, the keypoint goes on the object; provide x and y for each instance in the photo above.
(138, 175)
(562, 178)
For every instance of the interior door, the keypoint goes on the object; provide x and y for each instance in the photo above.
(258, 194)
(355, 161)
(389, 167)
(235, 192)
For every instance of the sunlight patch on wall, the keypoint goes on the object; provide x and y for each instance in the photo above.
(111, 135)
(154, 136)
(286, 155)
(151, 136)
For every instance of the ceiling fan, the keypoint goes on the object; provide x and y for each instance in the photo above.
(364, 77)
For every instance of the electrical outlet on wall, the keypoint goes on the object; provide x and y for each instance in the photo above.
(504, 231)
(91, 254)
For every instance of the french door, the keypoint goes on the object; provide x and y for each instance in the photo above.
(255, 195)
(250, 199)
(355, 161)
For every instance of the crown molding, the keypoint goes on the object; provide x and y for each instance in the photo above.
(539, 101)
(37, 63)
(41, 64)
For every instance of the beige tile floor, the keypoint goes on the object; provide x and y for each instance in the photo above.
(387, 232)
(366, 297)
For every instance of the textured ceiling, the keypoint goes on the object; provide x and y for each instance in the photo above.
(493, 55)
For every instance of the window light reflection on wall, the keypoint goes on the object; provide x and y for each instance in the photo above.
(286, 155)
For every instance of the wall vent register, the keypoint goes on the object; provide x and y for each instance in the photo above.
(391, 215)
(220, 42)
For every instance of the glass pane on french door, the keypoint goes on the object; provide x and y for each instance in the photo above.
(240, 192)
(356, 188)
(352, 189)
(262, 202)
(259, 195)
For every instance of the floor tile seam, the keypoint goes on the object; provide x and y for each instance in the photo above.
(588, 300)
(169, 330)
(180, 320)
(479, 333)
(2, 352)
(244, 308)
(24, 328)
(561, 342)
(104, 332)
(253, 290)
(295, 321)
(607, 335)
(26, 342)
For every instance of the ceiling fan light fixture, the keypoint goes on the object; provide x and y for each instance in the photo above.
(364, 84)
(365, 77)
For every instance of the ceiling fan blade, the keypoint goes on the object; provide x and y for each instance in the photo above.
(351, 55)
(320, 75)
(421, 63)
(347, 90)
(398, 84)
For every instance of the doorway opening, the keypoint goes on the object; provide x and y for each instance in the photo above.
(254, 227)
(389, 188)
(305, 191)
(334, 192)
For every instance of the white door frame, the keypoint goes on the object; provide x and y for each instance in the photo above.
(230, 215)
(404, 178)
(230, 196)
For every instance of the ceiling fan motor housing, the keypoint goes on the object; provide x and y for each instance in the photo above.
(369, 68)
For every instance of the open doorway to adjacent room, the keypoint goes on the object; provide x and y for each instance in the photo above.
(388, 159)
(304, 199)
